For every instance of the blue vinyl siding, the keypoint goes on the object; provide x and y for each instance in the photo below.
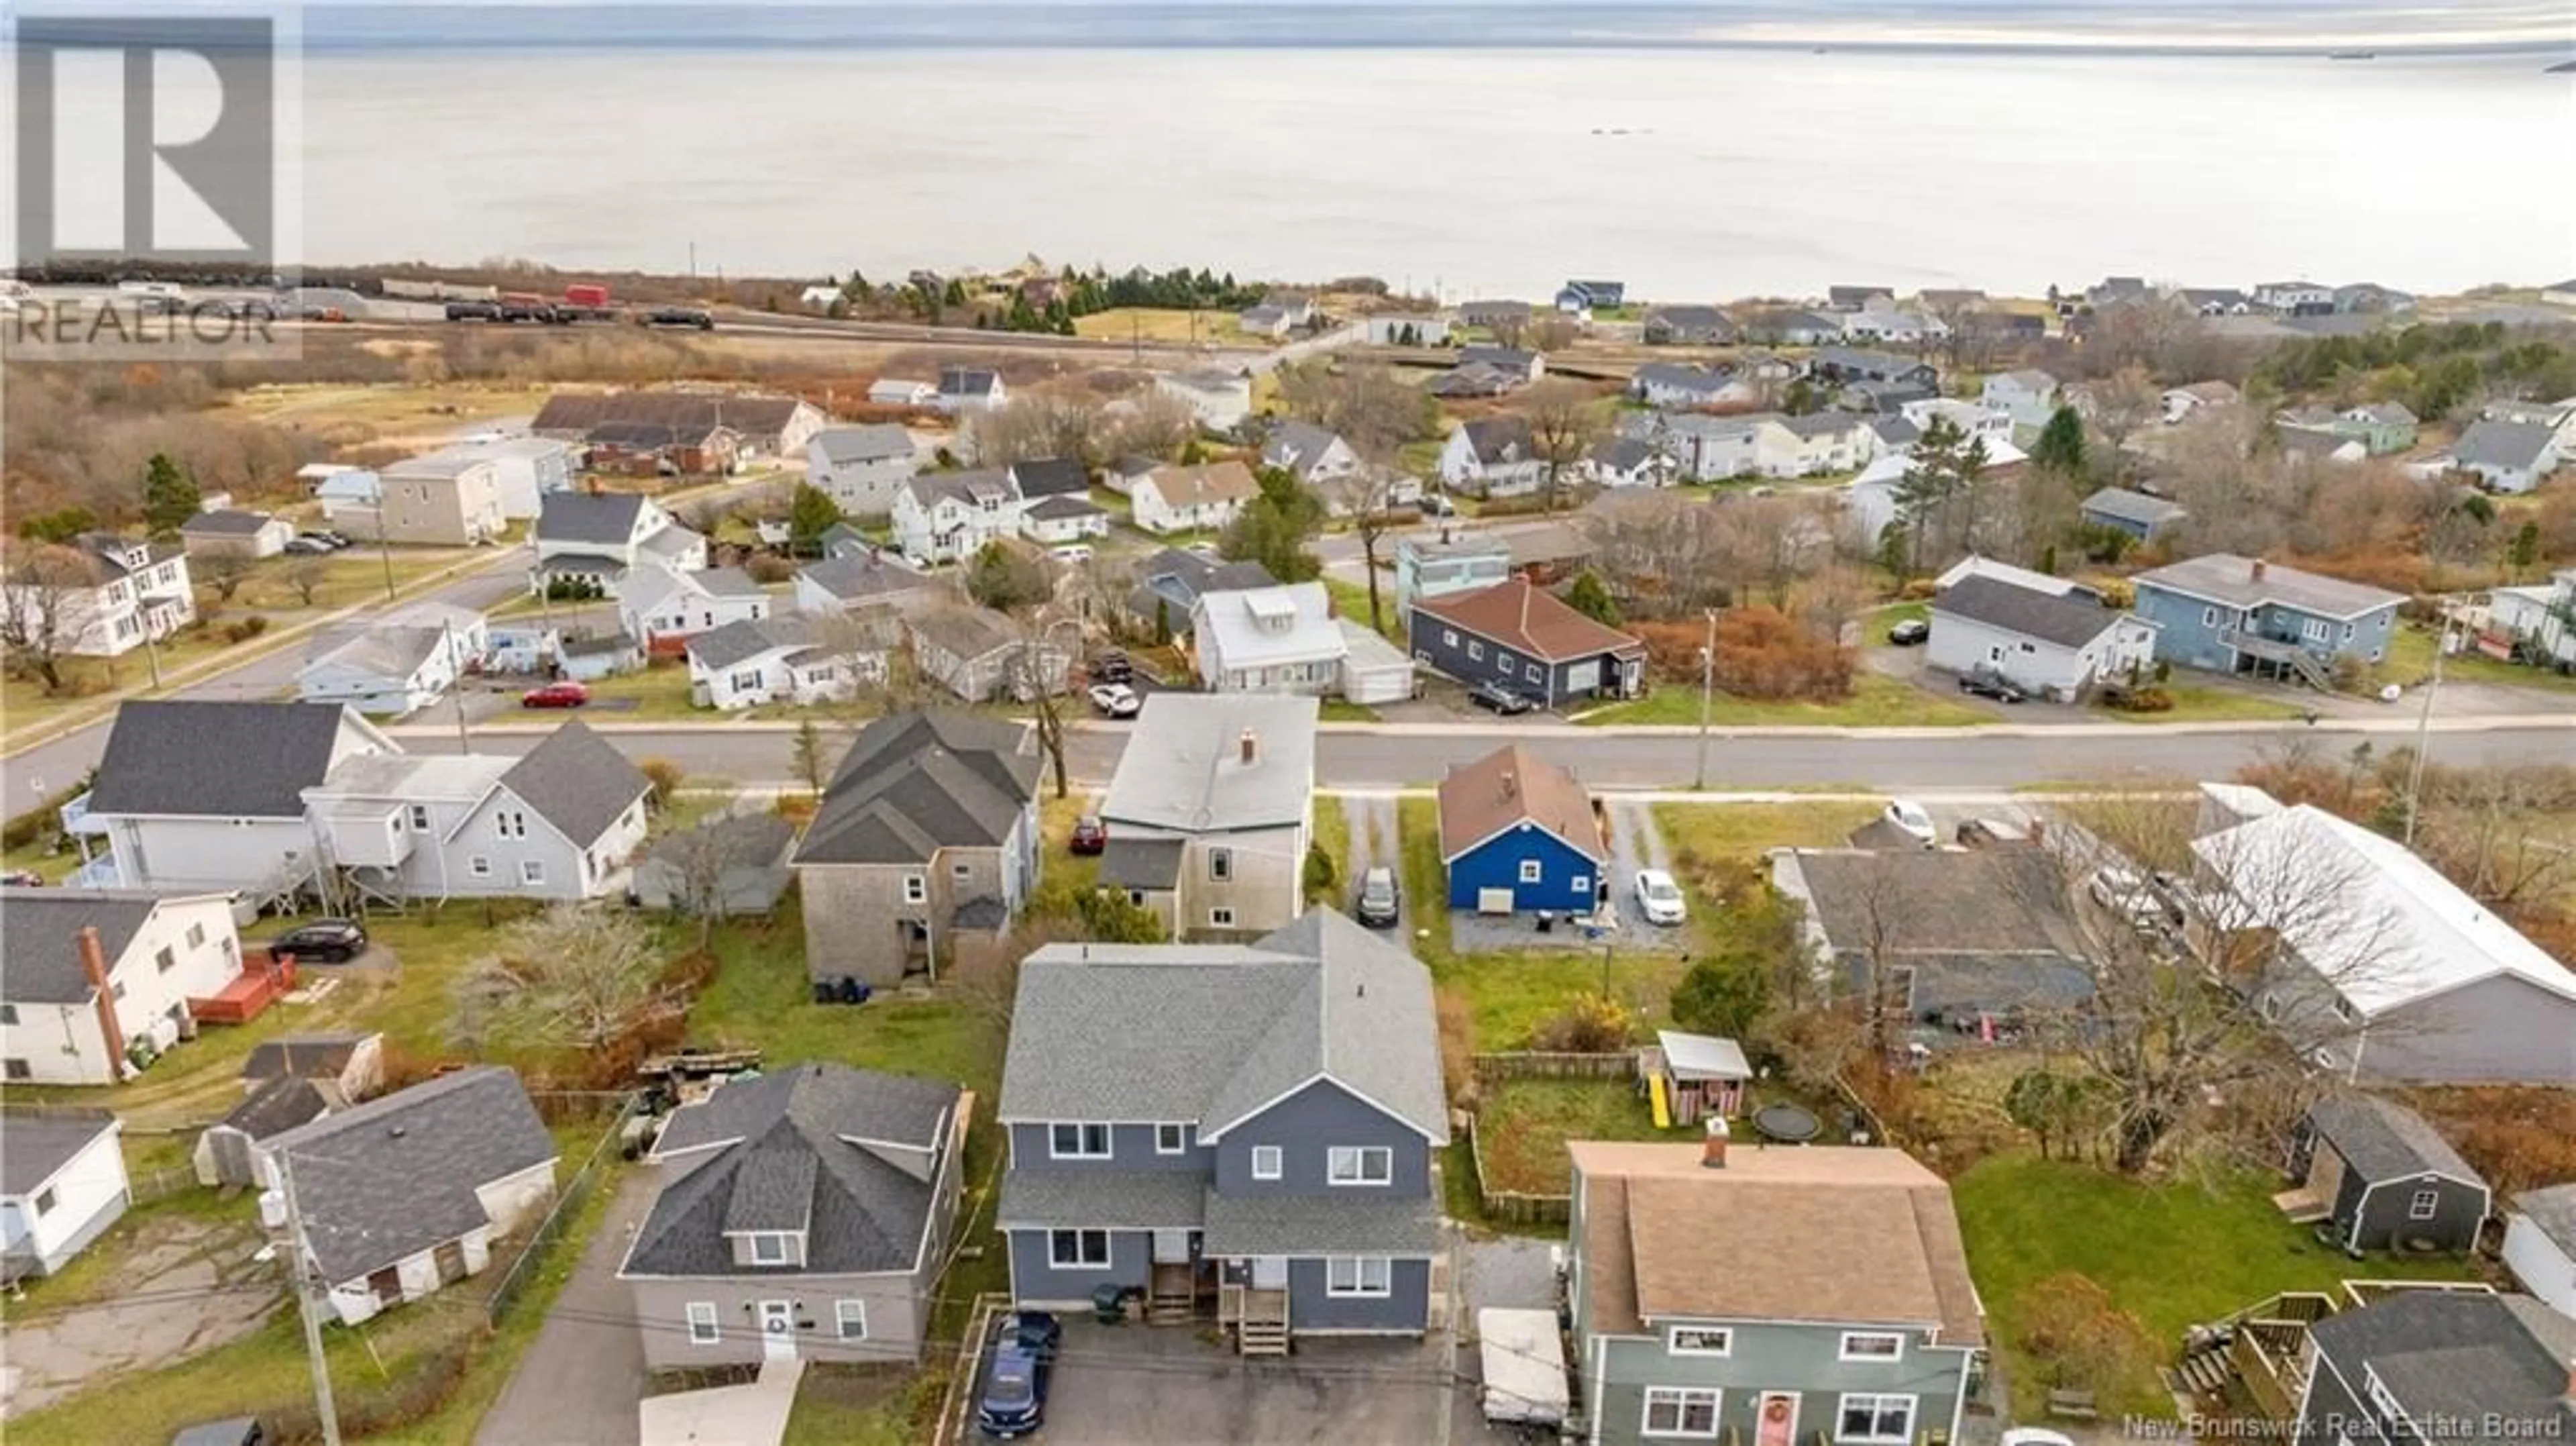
(1035, 1279)
(2188, 637)
(1567, 880)
(1405, 1308)
(1305, 1127)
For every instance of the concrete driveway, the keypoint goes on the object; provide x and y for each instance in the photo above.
(1138, 1386)
(582, 1377)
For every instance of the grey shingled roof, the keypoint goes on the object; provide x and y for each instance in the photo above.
(2383, 1140)
(276, 1106)
(157, 751)
(2227, 578)
(1063, 506)
(397, 1175)
(1234, 1028)
(387, 652)
(865, 576)
(33, 1146)
(782, 1152)
(2553, 1212)
(2068, 622)
(930, 488)
(747, 638)
(40, 939)
(872, 443)
(577, 781)
(224, 522)
(1103, 1199)
(2130, 506)
(914, 783)
(303, 1056)
(2464, 1357)
(747, 838)
(1297, 445)
(2502, 444)
(1498, 439)
(1320, 1225)
(606, 518)
(1183, 766)
(1052, 477)
(1142, 863)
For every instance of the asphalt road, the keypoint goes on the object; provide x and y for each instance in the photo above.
(1386, 758)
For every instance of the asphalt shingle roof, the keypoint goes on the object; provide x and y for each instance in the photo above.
(1052, 477)
(914, 783)
(605, 518)
(40, 939)
(2129, 506)
(1529, 620)
(812, 1148)
(2464, 1357)
(2067, 621)
(271, 752)
(397, 1175)
(2553, 1212)
(1142, 863)
(748, 638)
(873, 443)
(1104, 1199)
(224, 522)
(2502, 444)
(1183, 767)
(275, 1106)
(577, 781)
(2383, 1140)
(1513, 785)
(864, 576)
(1310, 1225)
(34, 1146)
(303, 1056)
(2227, 578)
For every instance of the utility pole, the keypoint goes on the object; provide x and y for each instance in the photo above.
(456, 684)
(2424, 724)
(1707, 694)
(152, 651)
(384, 540)
(301, 1270)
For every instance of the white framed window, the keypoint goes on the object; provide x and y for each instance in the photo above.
(769, 1248)
(1872, 1346)
(1448, 637)
(165, 959)
(1679, 1411)
(16, 1068)
(479, 866)
(1363, 1276)
(1078, 1249)
(916, 889)
(420, 816)
(1171, 1139)
(1580, 883)
(1220, 864)
(961, 871)
(2424, 1205)
(1359, 1165)
(45, 1201)
(703, 1330)
(1220, 918)
(2209, 617)
(1870, 1417)
(1476, 651)
(1531, 672)
(1069, 1141)
(196, 936)
(1531, 871)
(1266, 1162)
(850, 1319)
(1700, 1341)
(2316, 630)
(532, 871)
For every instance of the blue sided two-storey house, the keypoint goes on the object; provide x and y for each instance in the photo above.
(1240, 1133)
(1518, 834)
(2231, 614)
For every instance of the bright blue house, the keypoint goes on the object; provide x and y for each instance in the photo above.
(2231, 614)
(1519, 834)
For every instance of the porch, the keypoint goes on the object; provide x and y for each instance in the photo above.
(2276, 658)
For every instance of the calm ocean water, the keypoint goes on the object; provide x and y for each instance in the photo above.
(1688, 173)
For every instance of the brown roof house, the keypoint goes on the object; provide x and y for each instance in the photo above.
(1811, 1293)
(1520, 638)
(1518, 833)
(1182, 499)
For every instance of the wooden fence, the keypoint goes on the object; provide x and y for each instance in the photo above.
(1493, 1068)
(1512, 1205)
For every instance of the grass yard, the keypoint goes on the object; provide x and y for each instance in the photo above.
(1337, 710)
(1165, 324)
(861, 1408)
(2196, 704)
(387, 414)
(2410, 661)
(1876, 702)
(1350, 600)
(1333, 836)
(1522, 1127)
(2173, 1254)
(1731, 832)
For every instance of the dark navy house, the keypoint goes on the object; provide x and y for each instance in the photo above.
(1523, 639)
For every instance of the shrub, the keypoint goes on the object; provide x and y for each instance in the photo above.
(1321, 877)
(242, 630)
(769, 567)
(2082, 1340)
(1592, 1024)
(666, 776)
(1457, 1046)
(2138, 700)
(1762, 654)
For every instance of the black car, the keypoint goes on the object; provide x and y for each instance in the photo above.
(1031, 1330)
(1380, 901)
(1112, 667)
(1910, 633)
(473, 311)
(333, 941)
(1011, 1399)
(680, 316)
(1986, 683)
(1499, 699)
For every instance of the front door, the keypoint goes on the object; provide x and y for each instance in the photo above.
(1775, 1423)
(778, 1330)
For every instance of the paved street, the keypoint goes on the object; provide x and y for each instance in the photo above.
(580, 1380)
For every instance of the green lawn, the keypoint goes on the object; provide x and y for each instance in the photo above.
(1350, 600)
(2410, 661)
(1117, 504)
(2173, 1254)
(2196, 704)
(1522, 1127)
(1336, 710)
(1333, 836)
(1876, 702)
(1731, 832)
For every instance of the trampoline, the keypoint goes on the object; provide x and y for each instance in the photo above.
(1787, 1124)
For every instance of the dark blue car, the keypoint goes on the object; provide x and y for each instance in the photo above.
(1013, 1399)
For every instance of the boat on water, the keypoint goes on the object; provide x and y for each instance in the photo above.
(2353, 55)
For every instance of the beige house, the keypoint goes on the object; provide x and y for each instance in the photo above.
(922, 850)
(446, 499)
(1210, 812)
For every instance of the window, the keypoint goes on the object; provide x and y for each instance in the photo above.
(961, 872)
(1171, 1139)
(850, 1317)
(1078, 1249)
(1872, 1346)
(916, 889)
(196, 936)
(1356, 1165)
(768, 1248)
(1358, 1275)
(1220, 918)
(702, 1323)
(743, 682)
(1078, 1142)
(2383, 1405)
(2347, 632)
(1701, 1341)
(510, 823)
(8, 1014)
(1531, 672)
(1220, 864)
(165, 959)
(1476, 651)
(1265, 1162)
(16, 1069)
(2209, 617)
(2423, 1204)
(420, 815)
(1580, 883)
(45, 1201)
(479, 866)
(1530, 871)
(1875, 1418)
(1679, 1411)
(532, 871)
(1448, 638)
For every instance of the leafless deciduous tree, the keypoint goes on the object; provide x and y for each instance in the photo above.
(222, 573)
(1154, 423)
(1037, 673)
(1042, 422)
(1371, 406)
(305, 576)
(573, 977)
(703, 859)
(1658, 553)
(1366, 499)
(1508, 330)
(2123, 402)
(1553, 332)
(1566, 421)
(44, 608)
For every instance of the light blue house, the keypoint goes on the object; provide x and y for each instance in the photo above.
(2231, 614)
(1769, 1297)
(1245, 1129)
(1518, 834)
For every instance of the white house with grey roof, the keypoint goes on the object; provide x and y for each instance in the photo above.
(663, 609)
(867, 579)
(2028, 396)
(1316, 456)
(949, 516)
(2056, 645)
(410, 1193)
(399, 665)
(70, 1017)
(2540, 1244)
(1247, 1126)
(804, 1214)
(600, 538)
(785, 660)
(861, 468)
(62, 1183)
(1218, 397)
(232, 532)
(1666, 384)
(2507, 456)
(1267, 640)
(969, 389)
(101, 596)
(1211, 811)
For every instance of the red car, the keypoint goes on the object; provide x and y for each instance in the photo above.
(1090, 835)
(555, 695)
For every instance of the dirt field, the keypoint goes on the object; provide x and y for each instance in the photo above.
(394, 415)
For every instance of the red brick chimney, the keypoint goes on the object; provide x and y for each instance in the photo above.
(94, 964)
(1251, 746)
(2257, 569)
(1712, 1151)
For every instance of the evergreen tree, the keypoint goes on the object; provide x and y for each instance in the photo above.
(1591, 597)
(810, 514)
(2061, 444)
(1275, 528)
(170, 495)
(955, 295)
(1946, 464)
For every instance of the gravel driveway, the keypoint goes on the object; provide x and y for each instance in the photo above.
(1374, 845)
(1635, 843)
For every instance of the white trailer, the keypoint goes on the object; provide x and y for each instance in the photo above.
(1524, 1367)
